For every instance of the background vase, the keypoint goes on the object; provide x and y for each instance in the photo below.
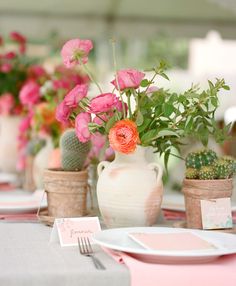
(41, 162)
(130, 190)
(9, 130)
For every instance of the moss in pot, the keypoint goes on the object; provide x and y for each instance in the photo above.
(67, 188)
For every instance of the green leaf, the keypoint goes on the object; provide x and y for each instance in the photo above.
(166, 158)
(164, 75)
(149, 135)
(110, 123)
(168, 109)
(211, 85)
(226, 87)
(167, 132)
(214, 101)
(145, 124)
(189, 123)
(144, 83)
(139, 119)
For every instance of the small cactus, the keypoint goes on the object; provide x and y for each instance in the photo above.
(231, 161)
(191, 173)
(73, 152)
(200, 158)
(207, 173)
(205, 165)
(223, 168)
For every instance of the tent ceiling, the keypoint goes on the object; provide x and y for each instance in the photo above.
(125, 18)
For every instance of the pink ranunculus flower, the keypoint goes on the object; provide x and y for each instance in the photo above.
(36, 71)
(152, 89)
(10, 55)
(60, 84)
(97, 141)
(81, 127)
(63, 113)
(7, 103)
(25, 124)
(109, 153)
(30, 93)
(100, 120)
(22, 48)
(75, 95)
(16, 36)
(76, 50)
(128, 78)
(21, 162)
(6, 68)
(103, 102)
(119, 107)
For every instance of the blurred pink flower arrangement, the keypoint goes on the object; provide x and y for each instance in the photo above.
(39, 97)
(13, 72)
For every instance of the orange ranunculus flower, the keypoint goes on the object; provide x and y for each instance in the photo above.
(124, 137)
(46, 112)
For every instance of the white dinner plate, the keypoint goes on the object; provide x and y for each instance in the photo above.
(20, 201)
(118, 239)
(8, 178)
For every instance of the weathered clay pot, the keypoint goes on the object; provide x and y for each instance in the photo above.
(130, 190)
(197, 190)
(66, 192)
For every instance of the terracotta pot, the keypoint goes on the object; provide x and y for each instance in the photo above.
(130, 190)
(197, 190)
(66, 192)
(9, 131)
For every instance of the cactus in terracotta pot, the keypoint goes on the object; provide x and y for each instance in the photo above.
(67, 188)
(73, 152)
(207, 177)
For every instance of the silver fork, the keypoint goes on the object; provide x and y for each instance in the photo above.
(85, 249)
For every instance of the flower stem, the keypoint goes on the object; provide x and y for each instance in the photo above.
(150, 82)
(100, 118)
(116, 77)
(129, 106)
(90, 76)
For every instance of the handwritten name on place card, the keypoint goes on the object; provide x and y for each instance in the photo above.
(216, 213)
(69, 229)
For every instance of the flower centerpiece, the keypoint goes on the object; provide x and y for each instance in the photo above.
(134, 115)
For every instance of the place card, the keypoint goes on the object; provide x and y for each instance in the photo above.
(216, 213)
(67, 230)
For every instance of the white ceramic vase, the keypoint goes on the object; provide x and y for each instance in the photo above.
(130, 190)
(9, 131)
(41, 162)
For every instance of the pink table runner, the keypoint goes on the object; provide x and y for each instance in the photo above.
(221, 272)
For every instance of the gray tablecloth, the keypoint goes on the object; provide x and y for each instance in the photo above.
(28, 259)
